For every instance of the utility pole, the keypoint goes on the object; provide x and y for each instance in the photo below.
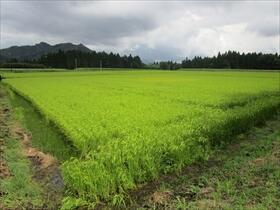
(76, 63)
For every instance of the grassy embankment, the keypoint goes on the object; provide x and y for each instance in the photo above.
(17, 188)
(243, 175)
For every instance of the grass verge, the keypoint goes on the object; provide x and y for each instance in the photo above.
(17, 189)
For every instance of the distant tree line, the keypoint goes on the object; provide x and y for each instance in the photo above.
(74, 58)
(235, 60)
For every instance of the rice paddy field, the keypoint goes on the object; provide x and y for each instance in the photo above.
(130, 127)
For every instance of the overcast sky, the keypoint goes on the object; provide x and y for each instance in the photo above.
(155, 30)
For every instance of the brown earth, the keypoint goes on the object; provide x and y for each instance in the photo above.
(41, 160)
(4, 170)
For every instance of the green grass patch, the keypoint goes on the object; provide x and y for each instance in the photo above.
(19, 190)
(244, 175)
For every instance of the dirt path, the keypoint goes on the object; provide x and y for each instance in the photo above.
(4, 113)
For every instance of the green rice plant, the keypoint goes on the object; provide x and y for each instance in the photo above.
(131, 127)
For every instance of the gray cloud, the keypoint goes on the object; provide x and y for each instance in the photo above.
(265, 27)
(58, 20)
(155, 30)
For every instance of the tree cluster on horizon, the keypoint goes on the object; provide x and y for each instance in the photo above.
(74, 58)
(235, 60)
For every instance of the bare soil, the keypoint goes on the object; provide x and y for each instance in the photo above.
(4, 170)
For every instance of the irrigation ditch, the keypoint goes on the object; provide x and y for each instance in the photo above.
(40, 143)
(47, 136)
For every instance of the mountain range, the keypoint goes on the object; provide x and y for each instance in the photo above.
(30, 52)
